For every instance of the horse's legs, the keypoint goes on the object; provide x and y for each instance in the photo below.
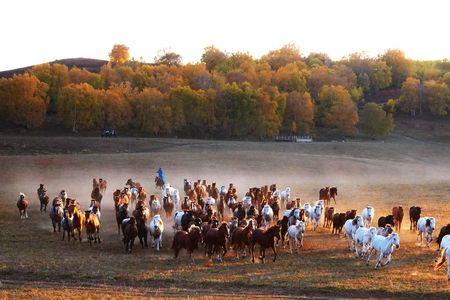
(274, 253)
(380, 257)
(63, 235)
(290, 245)
(253, 252)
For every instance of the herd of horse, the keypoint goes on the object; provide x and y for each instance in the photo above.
(219, 220)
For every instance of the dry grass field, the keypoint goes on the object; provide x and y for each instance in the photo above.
(34, 263)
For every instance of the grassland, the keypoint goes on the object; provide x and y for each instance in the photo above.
(35, 263)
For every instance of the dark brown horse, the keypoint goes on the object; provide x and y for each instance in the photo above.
(43, 197)
(186, 240)
(216, 241)
(121, 214)
(159, 183)
(324, 194)
(241, 238)
(130, 232)
(56, 214)
(266, 239)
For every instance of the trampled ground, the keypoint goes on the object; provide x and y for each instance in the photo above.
(34, 262)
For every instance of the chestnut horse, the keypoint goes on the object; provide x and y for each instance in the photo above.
(186, 240)
(97, 196)
(92, 227)
(168, 206)
(78, 218)
(43, 197)
(242, 237)
(56, 214)
(22, 205)
(266, 239)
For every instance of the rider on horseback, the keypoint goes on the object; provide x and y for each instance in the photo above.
(160, 174)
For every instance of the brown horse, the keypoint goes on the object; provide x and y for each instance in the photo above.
(121, 214)
(97, 196)
(266, 239)
(130, 232)
(141, 212)
(78, 218)
(185, 204)
(22, 205)
(220, 207)
(56, 214)
(329, 213)
(159, 183)
(324, 194)
(92, 227)
(216, 241)
(116, 198)
(132, 183)
(102, 184)
(333, 193)
(186, 240)
(242, 237)
(168, 206)
(43, 197)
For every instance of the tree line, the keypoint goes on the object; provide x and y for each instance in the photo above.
(229, 95)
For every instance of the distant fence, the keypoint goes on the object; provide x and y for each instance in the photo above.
(293, 138)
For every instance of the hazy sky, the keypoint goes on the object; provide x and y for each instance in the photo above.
(43, 30)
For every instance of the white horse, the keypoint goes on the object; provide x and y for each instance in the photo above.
(315, 214)
(320, 202)
(385, 247)
(363, 236)
(164, 190)
(174, 195)
(210, 201)
(134, 195)
(247, 202)
(426, 225)
(267, 215)
(155, 207)
(156, 231)
(177, 220)
(285, 195)
(445, 255)
(368, 215)
(223, 191)
(295, 233)
(350, 227)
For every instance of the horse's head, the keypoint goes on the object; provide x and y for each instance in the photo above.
(395, 240)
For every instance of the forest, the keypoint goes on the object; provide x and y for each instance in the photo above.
(230, 95)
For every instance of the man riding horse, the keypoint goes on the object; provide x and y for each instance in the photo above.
(160, 179)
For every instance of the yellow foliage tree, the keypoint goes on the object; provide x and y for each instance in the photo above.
(23, 100)
(119, 54)
(80, 107)
(299, 114)
(336, 109)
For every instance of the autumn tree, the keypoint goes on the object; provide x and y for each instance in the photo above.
(268, 114)
(152, 112)
(409, 100)
(213, 57)
(400, 66)
(119, 54)
(374, 121)
(336, 109)
(56, 76)
(117, 112)
(437, 96)
(80, 107)
(290, 78)
(168, 58)
(197, 76)
(299, 113)
(23, 100)
(288, 54)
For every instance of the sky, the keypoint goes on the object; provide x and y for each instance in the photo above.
(34, 32)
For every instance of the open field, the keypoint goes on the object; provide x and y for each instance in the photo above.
(35, 263)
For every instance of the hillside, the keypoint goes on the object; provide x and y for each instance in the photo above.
(90, 64)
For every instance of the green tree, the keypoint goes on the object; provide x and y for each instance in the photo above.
(168, 58)
(213, 57)
(374, 121)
